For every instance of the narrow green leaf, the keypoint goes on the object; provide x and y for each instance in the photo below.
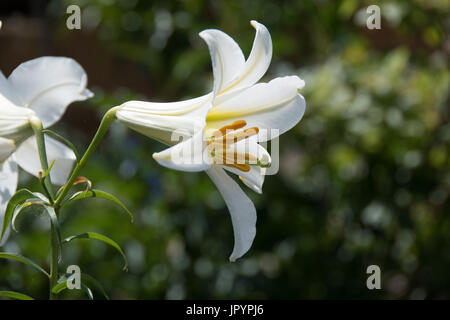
(88, 291)
(100, 237)
(62, 285)
(47, 209)
(46, 173)
(54, 221)
(18, 210)
(92, 282)
(15, 295)
(67, 142)
(18, 198)
(25, 260)
(99, 194)
(42, 197)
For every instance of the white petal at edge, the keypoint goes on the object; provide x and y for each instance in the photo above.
(7, 147)
(242, 211)
(8, 186)
(165, 121)
(258, 61)
(192, 107)
(28, 158)
(226, 57)
(253, 179)
(269, 106)
(48, 85)
(190, 155)
(5, 88)
(165, 129)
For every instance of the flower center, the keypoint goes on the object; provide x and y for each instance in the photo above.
(221, 146)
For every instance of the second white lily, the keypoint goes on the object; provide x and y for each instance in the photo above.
(221, 130)
(41, 88)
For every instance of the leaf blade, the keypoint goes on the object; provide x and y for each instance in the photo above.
(15, 295)
(99, 237)
(67, 142)
(85, 280)
(25, 260)
(99, 194)
(17, 199)
(50, 212)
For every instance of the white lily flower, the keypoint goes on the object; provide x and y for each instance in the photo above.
(42, 88)
(221, 130)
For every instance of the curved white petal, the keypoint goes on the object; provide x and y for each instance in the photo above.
(253, 179)
(7, 147)
(166, 121)
(5, 88)
(258, 61)
(28, 158)
(8, 185)
(242, 211)
(273, 107)
(226, 57)
(48, 85)
(14, 123)
(252, 147)
(191, 107)
(189, 155)
(165, 129)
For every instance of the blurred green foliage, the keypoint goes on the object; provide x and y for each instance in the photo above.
(364, 177)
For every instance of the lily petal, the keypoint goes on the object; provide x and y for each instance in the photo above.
(8, 186)
(189, 155)
(48, 85)
(226, 56)
(253, 148)
(5, 88)
(14, 120)
(273, 105)
(242, 211)
(258, 61)
(28, 158)
(191, 107)
(7, 147)
(161, 128)
(253, 179)
(160, 120)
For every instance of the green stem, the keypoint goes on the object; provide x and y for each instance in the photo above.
(54, 273)
(36, 125)
(107, 120)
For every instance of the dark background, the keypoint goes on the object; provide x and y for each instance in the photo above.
(364, 177)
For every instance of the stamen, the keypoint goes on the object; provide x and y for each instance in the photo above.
(235, 157)
(234, 126)
(242, 167)
(234, 137)
(220, 141)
